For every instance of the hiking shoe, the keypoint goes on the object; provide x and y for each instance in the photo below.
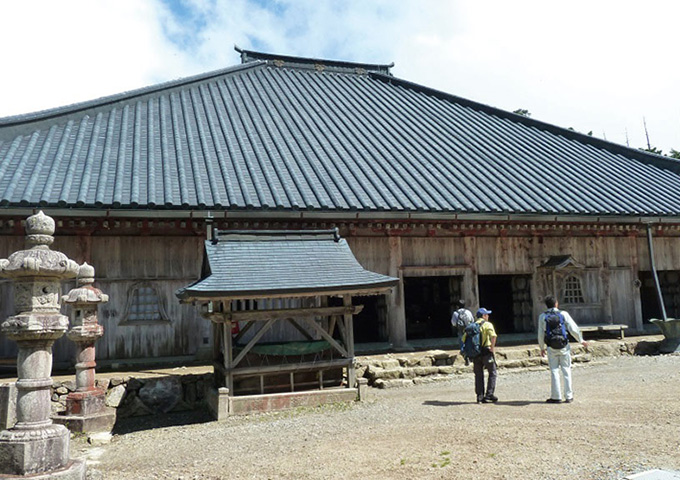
(490, 399)
(553, 400)
(569, 400)
(480, 399)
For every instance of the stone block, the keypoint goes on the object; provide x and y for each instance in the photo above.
(389, 374)
(439, 355)
(115, 396)
(408, 373)
(102, 383)
(217, 400)
(116, 381)
(390, 363)
(100, 422)
(8, 405)
(425, 362)
(424, 371)
(362, 388)
(30, 452)
(446, 370)
(395, 383)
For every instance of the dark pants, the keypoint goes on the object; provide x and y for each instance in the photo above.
(486, 360)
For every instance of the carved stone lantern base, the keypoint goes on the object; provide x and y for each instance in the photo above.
(87, 412)
(42, 453)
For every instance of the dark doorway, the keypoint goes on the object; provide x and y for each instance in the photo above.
(428, 304)
(370, 325)
(509, 298)
(495, 294)
(670, 291)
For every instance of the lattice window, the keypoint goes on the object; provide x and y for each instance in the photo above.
(573, 292)
(144, 306)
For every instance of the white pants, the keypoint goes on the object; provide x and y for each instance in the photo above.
(560, 361)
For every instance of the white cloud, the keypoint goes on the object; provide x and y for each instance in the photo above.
(599, 66)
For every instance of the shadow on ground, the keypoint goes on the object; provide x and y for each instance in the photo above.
(148, 422)
(514, 403)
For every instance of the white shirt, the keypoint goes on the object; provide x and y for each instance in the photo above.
(467, 316)
(569, 323)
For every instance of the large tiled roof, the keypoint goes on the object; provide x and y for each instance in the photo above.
(284, 133)
(250, 264)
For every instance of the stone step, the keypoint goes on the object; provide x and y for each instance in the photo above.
(405, 369)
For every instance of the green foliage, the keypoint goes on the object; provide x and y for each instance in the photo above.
(674, 153)
(522, 112)
(655, 150)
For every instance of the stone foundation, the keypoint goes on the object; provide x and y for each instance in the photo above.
(130, 396)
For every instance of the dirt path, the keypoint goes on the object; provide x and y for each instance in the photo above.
(625, 419)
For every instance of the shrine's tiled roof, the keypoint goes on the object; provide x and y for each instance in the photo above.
(250, 264)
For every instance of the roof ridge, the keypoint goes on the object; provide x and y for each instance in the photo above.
(641, 155)
(248, 56)
(117, 97)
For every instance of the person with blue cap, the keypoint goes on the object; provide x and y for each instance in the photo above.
(484, 339)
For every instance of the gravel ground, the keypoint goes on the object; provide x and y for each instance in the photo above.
(625, 419)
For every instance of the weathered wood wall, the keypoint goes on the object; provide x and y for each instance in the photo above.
(167, 263)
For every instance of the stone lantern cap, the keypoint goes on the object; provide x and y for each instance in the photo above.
(38, 260)
(85, 292)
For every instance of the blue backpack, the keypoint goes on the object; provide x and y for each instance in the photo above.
(555, 330)
(472, 347)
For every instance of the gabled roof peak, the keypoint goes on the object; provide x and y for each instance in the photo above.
(313, 63)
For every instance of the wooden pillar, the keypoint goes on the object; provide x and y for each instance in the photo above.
(470, 284)
(395, 303)
(606, 295)
(228, 350)
(349, 328)
(635, 267)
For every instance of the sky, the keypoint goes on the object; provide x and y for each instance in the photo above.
(604, 66)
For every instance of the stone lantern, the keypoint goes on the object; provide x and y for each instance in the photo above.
(35, 446)
(86, 409)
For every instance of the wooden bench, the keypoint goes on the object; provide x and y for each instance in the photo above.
(604, 327)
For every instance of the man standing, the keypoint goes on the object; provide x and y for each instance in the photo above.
(461, 318)
(553, 325)
(483, 333)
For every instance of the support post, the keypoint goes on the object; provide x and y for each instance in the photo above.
(395, 303)
(349, 327)
(652, 265)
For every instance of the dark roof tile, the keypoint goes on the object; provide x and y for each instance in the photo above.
(282, 133)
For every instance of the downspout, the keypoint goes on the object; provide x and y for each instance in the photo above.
(653, 267)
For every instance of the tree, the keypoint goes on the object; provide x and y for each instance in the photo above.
(651, 149)
(674, 153)
(522, 112)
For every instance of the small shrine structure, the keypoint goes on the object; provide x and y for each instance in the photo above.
(281, 307)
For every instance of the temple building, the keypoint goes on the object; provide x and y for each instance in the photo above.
(453, 198)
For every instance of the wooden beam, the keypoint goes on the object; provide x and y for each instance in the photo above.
(268, 295)
(351, 379)
(252, 341)
(261, 315)
(299, 328)
(288, 367)
(243, 331)
(328, 338)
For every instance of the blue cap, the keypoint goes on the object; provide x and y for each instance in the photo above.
(482, 311)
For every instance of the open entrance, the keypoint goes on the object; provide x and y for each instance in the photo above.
(670, 290)
(509, 298)
(428, 304)
(370, 325)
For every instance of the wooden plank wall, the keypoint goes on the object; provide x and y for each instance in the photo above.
(168, 263)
